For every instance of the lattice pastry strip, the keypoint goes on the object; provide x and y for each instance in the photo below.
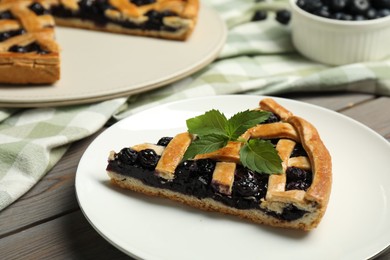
(301, 162)
(172, 155)
(218, 181)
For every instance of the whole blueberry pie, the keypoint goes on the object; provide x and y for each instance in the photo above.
(29, 53)
(265, 165)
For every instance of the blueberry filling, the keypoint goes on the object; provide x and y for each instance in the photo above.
(94, 10)
(164, 141)
(6, 35)
(271, 119)
(273, 141)
(155, 21)
(142, 2)
(32, 47)
(298, 151)
(289, 213)
(193, 177)
(6, 15)
(38, 9)
(298, 179)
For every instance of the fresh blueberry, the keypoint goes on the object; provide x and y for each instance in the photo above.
(346, 17)
(310, 6)
(360, 17)
(324, 12)
(381, 3)
(383, 13)
(337, 15)
(371, 14)
(259, 16)
(337, 5)
(283, 16)
(358, 6)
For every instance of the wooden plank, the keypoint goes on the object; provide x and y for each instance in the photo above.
(67, 237)
(52, 196)
(385, 255)
(332, 100)
(374, 114)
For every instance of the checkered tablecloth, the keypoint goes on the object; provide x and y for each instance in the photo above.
(258, 58)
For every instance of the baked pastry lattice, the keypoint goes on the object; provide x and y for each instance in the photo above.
(296, 197)
(168, 19)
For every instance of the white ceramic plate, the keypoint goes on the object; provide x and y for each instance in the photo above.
(355, 226)
(99, 66)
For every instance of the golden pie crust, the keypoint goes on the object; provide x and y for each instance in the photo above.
(289, 131)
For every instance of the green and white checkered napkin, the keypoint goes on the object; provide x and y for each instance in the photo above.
(258, 58)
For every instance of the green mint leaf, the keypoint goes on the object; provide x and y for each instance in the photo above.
(261, 156)
(242, 121)
(212, 122)
(205, 144)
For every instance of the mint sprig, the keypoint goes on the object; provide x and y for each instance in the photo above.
(206, 144)
(214, 130)
(260, 154)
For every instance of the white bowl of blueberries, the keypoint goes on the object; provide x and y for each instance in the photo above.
(338, 32)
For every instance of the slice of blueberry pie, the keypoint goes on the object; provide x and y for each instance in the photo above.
(266, 165)
(28, 50)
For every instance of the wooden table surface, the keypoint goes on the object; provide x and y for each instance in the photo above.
(47, 223)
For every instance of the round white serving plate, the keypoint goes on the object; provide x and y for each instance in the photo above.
(355, 225)
(98, 66)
